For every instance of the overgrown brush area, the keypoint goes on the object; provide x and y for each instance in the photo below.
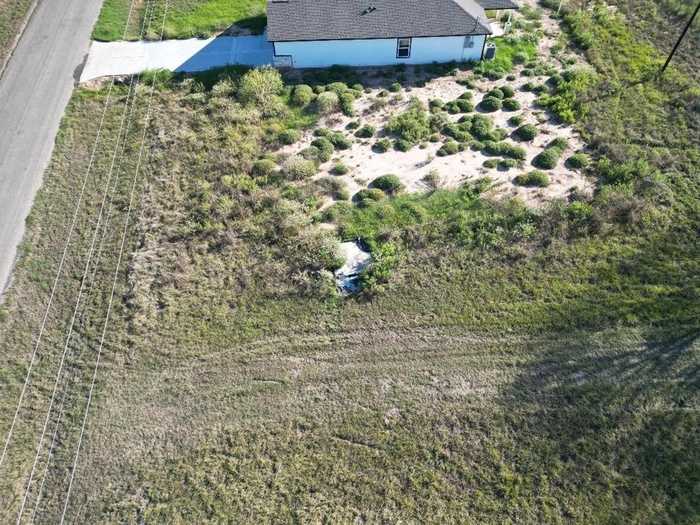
(504, 363)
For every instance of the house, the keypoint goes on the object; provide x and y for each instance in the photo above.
(322, 33)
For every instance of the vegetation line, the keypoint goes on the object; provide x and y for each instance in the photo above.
(114, 283)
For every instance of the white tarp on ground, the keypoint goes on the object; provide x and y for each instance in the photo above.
(356, 260)
(126, 58)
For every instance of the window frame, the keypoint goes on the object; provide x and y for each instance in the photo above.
(407, 47)
(469, 42)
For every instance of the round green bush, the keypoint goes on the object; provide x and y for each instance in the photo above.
(452, 108)
(365, 132)
(496, 93)
(298, 168)
(490, 163)
(491, 104)
(436, 103)
(347, 101)
(510, 104)
(289, 136)
(475, 145)
(340, 169)
(358, 87)
(578, 161)
(366, 197)
(465, 106)
(325, 148)
(559, 143)
(381, 146)
(263, 168)
(508, 92)
(506, 164)
(327, 102)
(340, 141)
(302, 95)
(395, 87)
(402, 145)
(467, 82)
(435, 137)
(390, 184)
(526, 132)
(467, 95)
(515, 120)
(448, 148)
(535, 178)
(511, 78)
(547, 159)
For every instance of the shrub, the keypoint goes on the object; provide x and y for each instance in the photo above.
(298, 168)
(327, 102)
(491, 104)
(515, 120)
(436, 104)
(452, 108)
(510, 104)
(366, 197)
(467, 82)
(367, 131)
(535, 178)
(475, 145)
(340, 141)
(289, 136)
(448, 148)
(312, 153)
(413, 125)
(467, 95)
(332, 187)
(403, 145)
(340, 169)
(490, 163)
(504, 149)
(506, 164)
(263, 168)
(389, 184)
(347, 101)
(526, 132)
(437, 121)
(382, 146)
(259, 86)
(464, 106)
(302, 95)
(508, 92)
(547, 159)
(353, 125)
(578, 161)
(520, 58)
(395, 87)
(496, 93)
(456, 132)
(559, 143)
(325, 148)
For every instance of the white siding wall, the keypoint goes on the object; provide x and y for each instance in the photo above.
(379, 52)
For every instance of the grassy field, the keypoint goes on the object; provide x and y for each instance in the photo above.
(12, 15)
(511, 365)
(186, 18)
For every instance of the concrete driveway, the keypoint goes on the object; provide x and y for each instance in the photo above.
(34, 91)
(125, 58)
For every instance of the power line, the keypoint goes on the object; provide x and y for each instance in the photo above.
(63, 256)
(114, 283)
(680, 39)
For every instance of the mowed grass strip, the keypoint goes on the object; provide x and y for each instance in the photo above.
(12, 16)
(186, 18)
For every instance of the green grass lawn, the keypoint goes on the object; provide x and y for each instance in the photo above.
(511, 365)
(186, 18)
(12, 15)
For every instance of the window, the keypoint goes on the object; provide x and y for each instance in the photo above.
(403, 48)
(468, 42)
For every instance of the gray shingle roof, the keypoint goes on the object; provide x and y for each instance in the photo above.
(295, 20)
(498, 4)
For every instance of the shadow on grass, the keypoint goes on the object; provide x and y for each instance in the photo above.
(616, 418)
